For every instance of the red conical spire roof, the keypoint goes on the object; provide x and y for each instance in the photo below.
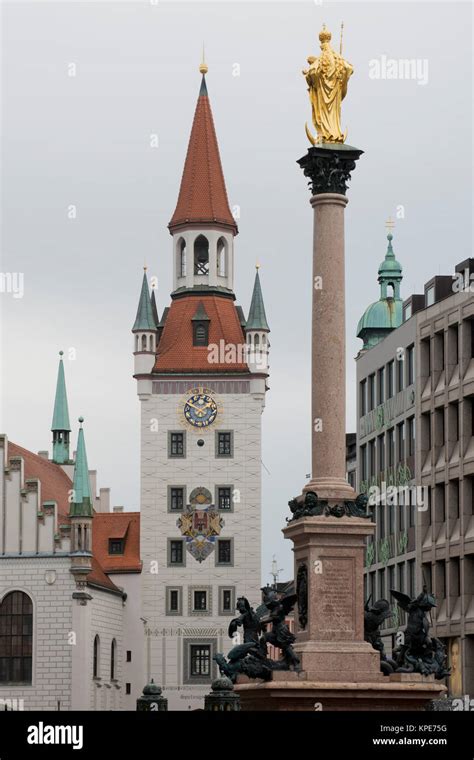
(202, 196)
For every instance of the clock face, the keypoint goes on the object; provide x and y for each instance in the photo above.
(200, 410)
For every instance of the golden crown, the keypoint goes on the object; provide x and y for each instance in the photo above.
(324, 34)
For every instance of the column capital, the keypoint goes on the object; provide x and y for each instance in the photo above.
(329, 167)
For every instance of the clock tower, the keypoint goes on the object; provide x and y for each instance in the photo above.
(201, 372)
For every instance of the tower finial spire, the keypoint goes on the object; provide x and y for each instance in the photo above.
(203, 67)
(60, 426)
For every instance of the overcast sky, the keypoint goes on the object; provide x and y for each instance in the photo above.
(84, 140)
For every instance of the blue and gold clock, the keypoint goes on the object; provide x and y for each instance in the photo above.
(200, 410)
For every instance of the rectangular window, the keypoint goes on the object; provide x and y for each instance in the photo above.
(390, 379)
(363, 463)
(411, 365)
(176, 552)
(176, 447)
(200, 600)
(174, 600)
(381, 452)
(401, 441)
(116, 545)
(363, 398)
(176, 498)
(129, 655)
(391, 447)
(381, 385)
(224, 447)
(372, 464)
(371, 392)
(411, 578)
(401, 577)
(128, 688)
(224, 551)
(411, 437)
(400, 372)
(200, 660)
(224, 498)
(430, 296)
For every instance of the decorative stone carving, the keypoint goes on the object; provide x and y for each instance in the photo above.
(329, 167)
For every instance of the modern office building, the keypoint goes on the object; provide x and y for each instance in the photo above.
(415, 453)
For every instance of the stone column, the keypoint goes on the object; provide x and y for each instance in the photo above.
(328, 166)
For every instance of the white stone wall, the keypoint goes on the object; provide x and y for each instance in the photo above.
(241, 413)
(107, 614)
(52, 624)
(133, 639)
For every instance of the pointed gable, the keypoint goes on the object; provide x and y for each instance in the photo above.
(202, 195)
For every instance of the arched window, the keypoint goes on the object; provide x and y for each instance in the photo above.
(137, 343)
(201, 334)
(151, 343)
(96, 657)
(181, 248)
(201, 255)
(16, 638)
(143, 342)
(257, 340)
(113, 653)
(222, 257)
(264, 340)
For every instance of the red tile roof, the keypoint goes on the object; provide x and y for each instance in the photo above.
(176, 352)
(117, 525)
(55, 486)
(202, 194)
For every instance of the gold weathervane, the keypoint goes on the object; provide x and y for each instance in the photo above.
(203, 67)
(389, 225)
(327, 78)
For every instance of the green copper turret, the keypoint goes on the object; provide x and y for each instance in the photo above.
(81, 506)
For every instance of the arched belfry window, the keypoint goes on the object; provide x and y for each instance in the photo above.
(222, 257)
(143, 342)
(16, 638)
(181, 248)
(113, 659)
(96, 657)
(201, 255)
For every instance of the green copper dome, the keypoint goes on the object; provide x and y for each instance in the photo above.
(386, 314)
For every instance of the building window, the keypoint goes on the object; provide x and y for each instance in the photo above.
(226, 601)
(391, 447)
(430, 296)
(200, 333)
(363, 463)
(224, 551)
(363, 397)
(176, 551)
(176, 444)
(411, 365)
(176, 498)
(200, 601)
(129, 655)
(116, 545)
(411, 437)
(181, 257)
(408, 311)
(174, 601)
(16, 638)
(200, 660)
(96, 657)
(401, 441)
(224, 447)
(224, 498)
(128, 688)
(371, 392)
(390, 379)
(381, 452)
(381, 385)
(113, 657)
(201, 255)
(411, 578)
(400, 366)
(372, 464)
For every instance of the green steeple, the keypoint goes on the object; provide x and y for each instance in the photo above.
(145, 319)
(82, 504)
(154, 309)
(384, 315)
(60, 426)
(257, 319)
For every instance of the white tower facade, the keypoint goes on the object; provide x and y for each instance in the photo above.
(201, 416)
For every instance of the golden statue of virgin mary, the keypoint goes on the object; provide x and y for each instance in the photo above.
(327, 78)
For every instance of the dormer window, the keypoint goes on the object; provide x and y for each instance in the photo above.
(116, 545)
(201, 334)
